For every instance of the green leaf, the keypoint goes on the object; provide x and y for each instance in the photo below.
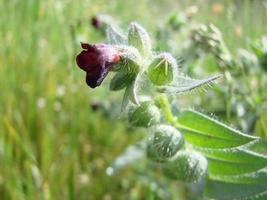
(203, 131)
(261, 125)
(115, 36)
(235, 169)
(260, 146)
(139, 38)
(228, 191)
(121, 79)
(186, 84)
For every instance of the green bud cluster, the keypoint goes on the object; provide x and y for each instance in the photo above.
(144, 73)
(209, 38)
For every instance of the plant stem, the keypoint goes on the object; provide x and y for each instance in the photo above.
(166, 108)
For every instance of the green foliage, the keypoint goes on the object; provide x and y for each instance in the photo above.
(115, 36)
(121, 79)
(185, 84)
(203, 131)
(139, 38)
(222, 146)
(230, 161)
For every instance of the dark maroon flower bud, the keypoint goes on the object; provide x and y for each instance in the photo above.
(100, 21)
(96, 22)
(97, 60)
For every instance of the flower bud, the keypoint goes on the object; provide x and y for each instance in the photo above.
(146, 115)
(186, 166)
(161, 69)
(130, 59)
(164, 143)
(100, 21)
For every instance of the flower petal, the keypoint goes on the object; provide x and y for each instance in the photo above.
(95, 79)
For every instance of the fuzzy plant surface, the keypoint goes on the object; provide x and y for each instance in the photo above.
(187, 145)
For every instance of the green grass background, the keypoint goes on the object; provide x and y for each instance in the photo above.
(52, 144)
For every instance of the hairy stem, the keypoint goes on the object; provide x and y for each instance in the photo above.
(166, 108)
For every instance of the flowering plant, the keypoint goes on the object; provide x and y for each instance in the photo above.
(188, 145)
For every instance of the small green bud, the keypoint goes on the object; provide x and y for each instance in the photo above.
(146, 115)
(163, 143)
(139, 38)
(130, 59)
(161, 69)
(186, 166)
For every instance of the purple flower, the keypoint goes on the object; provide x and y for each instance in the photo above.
(97, 60)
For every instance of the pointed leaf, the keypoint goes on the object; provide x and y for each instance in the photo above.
(226, 191)
(203, 131)
(235, 171)
(139, 38)
(115, 36)
(186, 84)
(121, 79)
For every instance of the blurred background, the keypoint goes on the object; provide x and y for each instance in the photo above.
(57, 136)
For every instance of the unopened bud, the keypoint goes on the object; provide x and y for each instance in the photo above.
(186, 166)
(146, 115)
(161, 70)
(163, 143)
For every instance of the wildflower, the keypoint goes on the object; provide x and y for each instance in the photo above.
(97, 60)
